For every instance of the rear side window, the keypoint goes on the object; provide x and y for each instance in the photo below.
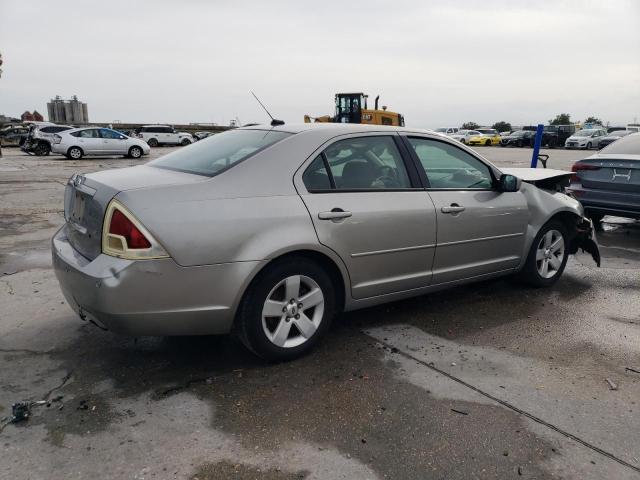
(219, 152)
(359, 163)
(90, 133)
(629, 145)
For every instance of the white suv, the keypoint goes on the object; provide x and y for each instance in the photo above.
(156, 135)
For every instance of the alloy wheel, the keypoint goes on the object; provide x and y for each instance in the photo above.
(292, 312)
(550, 254)
(75, 153)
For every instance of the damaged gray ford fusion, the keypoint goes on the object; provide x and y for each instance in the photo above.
(269, 232)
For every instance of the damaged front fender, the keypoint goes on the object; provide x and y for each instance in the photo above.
(585, 239)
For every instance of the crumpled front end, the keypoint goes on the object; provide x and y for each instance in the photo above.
(585, 239)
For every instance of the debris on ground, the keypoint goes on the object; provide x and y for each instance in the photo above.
(21, 411)
(461, 412)
(520, 470)
(612, 385)
(633, 369)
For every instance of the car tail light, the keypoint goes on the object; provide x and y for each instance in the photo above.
(125, 237)
(577, 167)
(57, 139)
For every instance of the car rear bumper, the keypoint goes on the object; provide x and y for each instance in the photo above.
(149, 297)
(607, 202)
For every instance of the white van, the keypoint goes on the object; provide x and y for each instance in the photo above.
(156, 135)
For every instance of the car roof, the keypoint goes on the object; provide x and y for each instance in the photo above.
(338, 128)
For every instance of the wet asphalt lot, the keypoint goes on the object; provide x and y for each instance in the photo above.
(492, 380)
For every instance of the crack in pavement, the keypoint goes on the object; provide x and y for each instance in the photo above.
(508, 405)
(26, 351)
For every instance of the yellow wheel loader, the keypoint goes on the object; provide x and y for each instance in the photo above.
(352, 108)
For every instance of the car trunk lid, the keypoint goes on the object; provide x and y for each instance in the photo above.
(86, 199)
(613, 174)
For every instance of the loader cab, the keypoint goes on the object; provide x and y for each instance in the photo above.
(349, 107)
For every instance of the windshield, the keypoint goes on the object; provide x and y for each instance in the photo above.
(441, 130)
(219, 152)
(628, 145)
(584, 133)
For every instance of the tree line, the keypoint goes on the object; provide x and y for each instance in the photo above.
(560, 119)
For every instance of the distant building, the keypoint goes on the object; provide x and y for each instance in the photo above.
(67, 111)
(32, 117)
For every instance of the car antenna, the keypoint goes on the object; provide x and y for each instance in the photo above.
(274, 122)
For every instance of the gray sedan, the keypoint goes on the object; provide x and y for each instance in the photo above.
(270, 232)
(608, 183)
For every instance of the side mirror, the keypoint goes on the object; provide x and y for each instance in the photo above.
(122, 137)
(509, 183)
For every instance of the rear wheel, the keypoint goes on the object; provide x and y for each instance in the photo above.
(488, 143)
(152, 142)
(548, 256)
(286, 310)
(42, 149)
(135, 152)
(74, 153)
(185, 142)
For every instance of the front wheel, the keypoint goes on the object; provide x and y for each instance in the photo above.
(286, 310)
(185, 142)
(152, 142)
(135, 152)
(487, 143)
(589, 146)
(548, 256)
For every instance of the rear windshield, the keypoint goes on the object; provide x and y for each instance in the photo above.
(219, 152)
(629, 145)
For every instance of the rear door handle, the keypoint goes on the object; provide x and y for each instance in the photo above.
(453, 208)
(334, 214)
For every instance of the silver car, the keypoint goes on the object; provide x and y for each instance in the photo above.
(587, 138)
(79, 142)
(270, 232)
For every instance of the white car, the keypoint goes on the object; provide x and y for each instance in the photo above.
(156, 135)
(78, 142)
(586, 138)
(464, 135)
(447, 130)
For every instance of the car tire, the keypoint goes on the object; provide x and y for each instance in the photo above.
(487, 143)
(75, 153)
(185, 142)
(42, 149)
(463, 141)
(546, 259)
(152, 142)
(588, 147)
(285, 336)
(135, 152)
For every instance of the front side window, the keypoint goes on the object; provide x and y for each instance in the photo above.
(106, 133)
(219, 152)
(361, 163)
(447, 166)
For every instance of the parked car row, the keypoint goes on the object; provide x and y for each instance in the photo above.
(553, 136)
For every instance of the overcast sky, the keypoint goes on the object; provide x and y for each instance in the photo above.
(439, 63)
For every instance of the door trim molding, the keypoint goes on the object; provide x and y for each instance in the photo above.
(392, 250)
(482, 239)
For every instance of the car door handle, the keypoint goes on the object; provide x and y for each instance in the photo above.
(334, 214)
(453, 208)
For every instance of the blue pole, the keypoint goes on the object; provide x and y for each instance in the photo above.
(536, 145)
